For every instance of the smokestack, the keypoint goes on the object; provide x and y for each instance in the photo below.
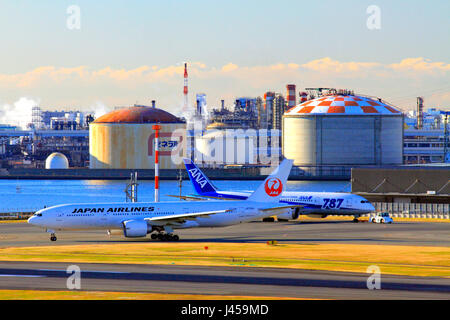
(153, 104)
(419, 112)
(290, 96)
(199, 108)
(223, 104)
(185, 89)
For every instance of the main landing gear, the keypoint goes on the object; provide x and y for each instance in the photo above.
(165, 236)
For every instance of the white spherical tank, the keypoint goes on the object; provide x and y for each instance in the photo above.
(56, 161)
(343, 130)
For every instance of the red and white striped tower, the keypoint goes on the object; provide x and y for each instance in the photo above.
(156, 128)
(290, 96)
(185, 89)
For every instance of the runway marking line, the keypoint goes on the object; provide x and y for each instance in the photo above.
(392, 259)
(115, 295)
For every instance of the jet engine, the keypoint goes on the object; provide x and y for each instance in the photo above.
(135, 228)
(289, 215)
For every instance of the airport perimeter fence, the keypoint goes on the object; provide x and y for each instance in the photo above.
(16, 214)
(414, 210)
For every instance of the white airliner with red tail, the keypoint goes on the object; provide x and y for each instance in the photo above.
(315, 204)
(141, 218)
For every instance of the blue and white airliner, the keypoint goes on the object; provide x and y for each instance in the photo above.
(314, 204)
(138, 219)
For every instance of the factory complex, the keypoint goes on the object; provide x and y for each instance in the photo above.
(313, 133)
(326, 131)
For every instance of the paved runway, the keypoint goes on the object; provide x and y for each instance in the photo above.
(339, 231)
(220, 280)
(234, 281)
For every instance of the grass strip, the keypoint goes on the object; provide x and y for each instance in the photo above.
(107, 295)
(392, 259)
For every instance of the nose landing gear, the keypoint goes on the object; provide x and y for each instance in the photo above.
(52, 234)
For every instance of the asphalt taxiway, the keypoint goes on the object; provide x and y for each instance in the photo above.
(260, 282)
(331, 231)
(240, 281)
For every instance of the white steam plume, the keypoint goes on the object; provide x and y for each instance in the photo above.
(18, 114)
(99, 109)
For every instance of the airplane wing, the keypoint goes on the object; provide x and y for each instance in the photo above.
(183, 217)
(200, 197)
(187, 197)
(283, 207)
(217, 198)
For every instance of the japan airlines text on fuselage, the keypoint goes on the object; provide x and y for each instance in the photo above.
(139, 219)
(313, 203)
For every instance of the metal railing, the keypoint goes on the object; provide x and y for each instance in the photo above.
(414, 210)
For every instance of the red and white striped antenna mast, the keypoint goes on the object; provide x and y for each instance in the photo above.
(185, 89)
(156, 141)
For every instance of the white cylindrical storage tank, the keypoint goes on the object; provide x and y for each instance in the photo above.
(56, 161)
(343, 130)
(231, 146)
(124, 139)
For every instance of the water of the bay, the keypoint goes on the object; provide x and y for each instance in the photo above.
(32, 195)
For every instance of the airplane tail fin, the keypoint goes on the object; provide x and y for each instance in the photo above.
(199, 180)
(270, 190)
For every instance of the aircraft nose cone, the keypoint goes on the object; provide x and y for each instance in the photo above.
(32, 220)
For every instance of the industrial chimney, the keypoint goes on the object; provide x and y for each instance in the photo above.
(185, 89)
(419, 112)
(290, 95)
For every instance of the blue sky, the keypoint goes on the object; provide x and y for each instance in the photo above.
(252, 35)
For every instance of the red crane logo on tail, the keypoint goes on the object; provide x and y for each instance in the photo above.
(273, 187)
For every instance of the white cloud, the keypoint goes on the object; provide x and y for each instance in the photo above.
(83, 85)
(419, 65)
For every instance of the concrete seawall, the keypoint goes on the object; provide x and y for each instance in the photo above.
(251, 173)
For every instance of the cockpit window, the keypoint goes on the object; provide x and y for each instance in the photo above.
(38, 214)
(364, 201)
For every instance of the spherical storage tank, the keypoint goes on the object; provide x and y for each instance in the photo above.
(56, 161)
(343, 130)
(124, 139)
